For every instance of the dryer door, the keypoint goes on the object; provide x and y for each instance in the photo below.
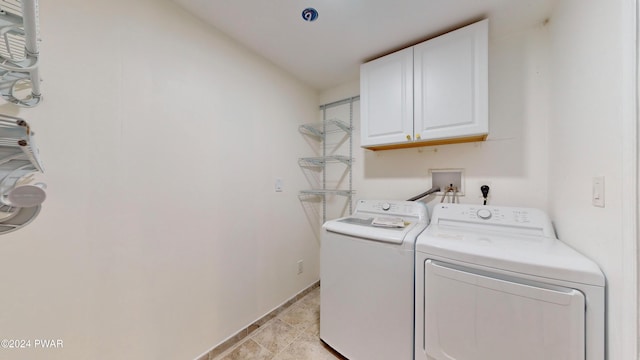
(471, 315)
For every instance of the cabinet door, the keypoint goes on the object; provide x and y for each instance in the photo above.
(451, 85)
(386, 99)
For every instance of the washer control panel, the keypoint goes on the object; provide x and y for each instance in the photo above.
(392, 208)
(495, 217)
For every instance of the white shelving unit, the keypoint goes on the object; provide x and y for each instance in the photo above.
(320, 132)
(22, 184)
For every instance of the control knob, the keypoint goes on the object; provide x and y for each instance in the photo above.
(484, 214)
(386, 206)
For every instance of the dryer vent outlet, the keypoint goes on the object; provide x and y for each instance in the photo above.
(448, 178)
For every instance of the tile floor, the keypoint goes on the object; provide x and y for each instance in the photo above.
(292, 335)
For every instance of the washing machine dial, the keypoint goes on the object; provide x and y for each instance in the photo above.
(386, 206)
(484, 214)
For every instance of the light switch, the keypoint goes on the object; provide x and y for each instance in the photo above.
(598, 191)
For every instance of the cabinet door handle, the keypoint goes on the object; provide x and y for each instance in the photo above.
(409, 137)
(418, 136)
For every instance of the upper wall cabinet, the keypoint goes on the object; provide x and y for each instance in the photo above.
(433, 93)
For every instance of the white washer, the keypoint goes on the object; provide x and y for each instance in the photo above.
(494, 283)
(367, 281)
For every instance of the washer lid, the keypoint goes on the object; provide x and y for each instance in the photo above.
(363, 226)
(520, 249)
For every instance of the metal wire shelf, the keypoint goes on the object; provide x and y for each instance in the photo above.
(323, 160)
(17, 142)
(323, 192)
(19, 65)
(318, 130)
(22, 187)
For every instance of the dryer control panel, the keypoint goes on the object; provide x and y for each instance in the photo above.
(495, 218)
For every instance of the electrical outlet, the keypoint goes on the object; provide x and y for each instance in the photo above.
(480, 183)
(300, 267)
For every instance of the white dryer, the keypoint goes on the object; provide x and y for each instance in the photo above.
(367, 280)
(494, 283)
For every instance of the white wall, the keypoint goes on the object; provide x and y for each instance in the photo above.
(513, 160)
(162, 234)
(162, 138)
(592, 132)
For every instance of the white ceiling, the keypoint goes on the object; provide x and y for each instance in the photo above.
(329, 51)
